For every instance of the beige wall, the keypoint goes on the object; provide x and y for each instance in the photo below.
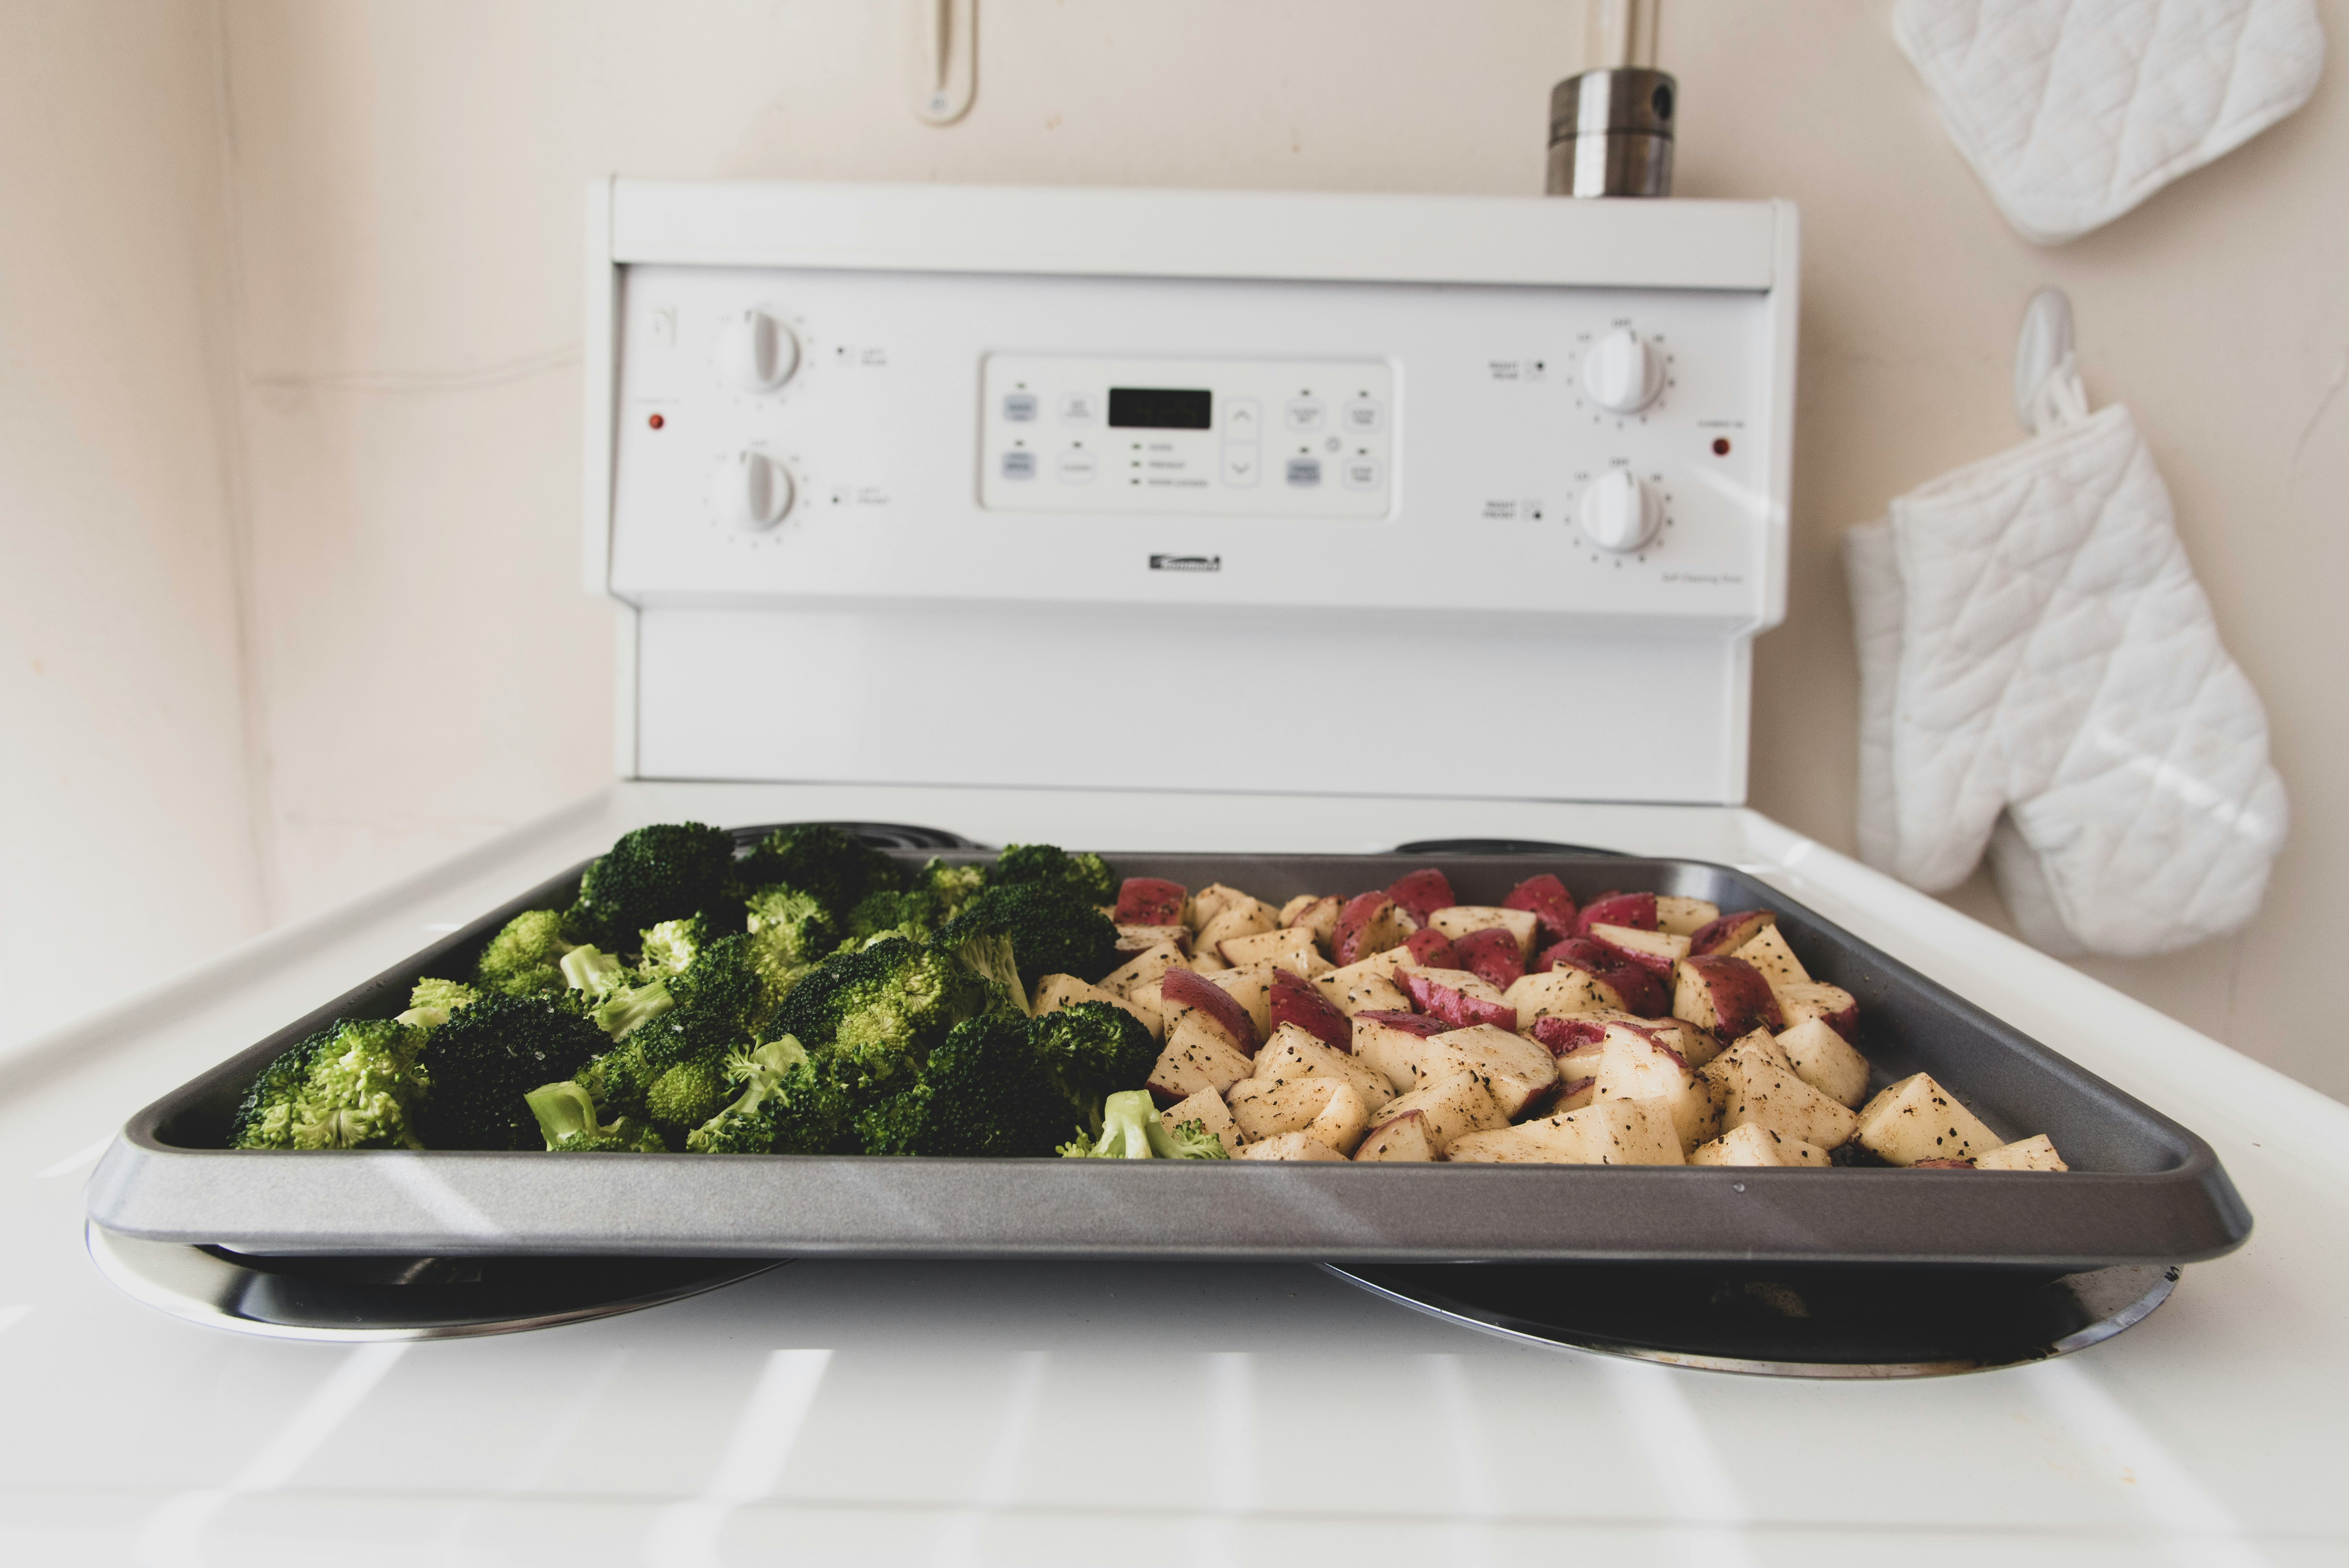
(405, 180)
(126, 845)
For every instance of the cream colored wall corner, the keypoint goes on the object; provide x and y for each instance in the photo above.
(127, 847)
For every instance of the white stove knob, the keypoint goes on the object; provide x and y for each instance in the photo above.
(1619, 512)
(754, 491)
(756, 353)
(1622, 373)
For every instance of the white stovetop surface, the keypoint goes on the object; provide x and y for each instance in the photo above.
(870, 1412)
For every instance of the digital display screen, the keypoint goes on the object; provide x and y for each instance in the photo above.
(1160, 409)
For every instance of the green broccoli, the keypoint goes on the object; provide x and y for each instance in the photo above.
(747, 1124)
(429, 1005)
(950, 887)
(669, 947)
(630, 1007)
(666, 871)
(1086, 878)
(486, 1057)
(566, 1118)
(355, 1084)
(1132, 1130)
(983, 1091)
(526, 957)
(792, 926)
(1092, 1050)
(1050, 933)
(594, 973)
(912, 913)
(834, 867)
(894, 996)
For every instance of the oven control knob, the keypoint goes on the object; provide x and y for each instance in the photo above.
(754, 491)
(756, 353)
(1619, 512)
(1622, 373)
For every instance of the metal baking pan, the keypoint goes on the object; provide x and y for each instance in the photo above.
(2143, 1190)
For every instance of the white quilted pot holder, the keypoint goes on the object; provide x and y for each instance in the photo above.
(2037, 660)
(2074, 111)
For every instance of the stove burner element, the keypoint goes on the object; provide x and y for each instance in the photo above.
(351, 1299)
(1785, 1321)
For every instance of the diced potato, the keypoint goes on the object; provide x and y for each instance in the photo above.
(1328, 1108)
(1769, 952)
(1655, 951)
(1827, 1061)
(1143, 968)
(1054, 992)
(1684, 916)
(1197, 1056)
(1917, 1118)
(1610, 1132)
(1206, 961)
(1290, 1146)
(1444, 1110)
(1761, 1086)
(1252, 988)
(1291, 947)
(1357, 989)
(1148, 1004)
(1294, 1053)
(1244, 916)
(1755, 1144)
(1632, 1067)
(1318, 915)
(1143, 938)
(1831, 1005)
(1558, 992)
(1520, 1075)
(1206, 1107)
(1208, 902)
(2028, 1154)
(1460, 919)
(1406, 1138)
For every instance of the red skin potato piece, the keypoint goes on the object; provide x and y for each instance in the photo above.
(1656, 1044)
(1422, 893)
(1741, 999)
(1182, 987)
(1565, 1035)
(1636, 910)
(1440, 1001)
(1943, 1165)
(1149, 901)
(1654, 963)
(1845, 1022)
(1419, 1024)
(1546, 898)
(1431, 949)
(1728, 934)
(1641, 992)
(1577, 953)
(1295, 1001)
(1360, 914)
(1491, 954)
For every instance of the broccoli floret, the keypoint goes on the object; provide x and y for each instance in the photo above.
(724, 981)
(895, 997)
(666, 871)
(1132, 1130)
(594, 973)
(429, 1005)
(747, 1125)
(983, 1091)
(1092, 1050)
(486, 1058)
(836, 868)
(631, 1007)
(688, 1094)
(355, 1084)
(672, 945)
(792, 927)
(912, 913)
(950, 887)
(526, 957)
(619, 1079)
(1050, 933)
(1086, 878)
(566, 1118)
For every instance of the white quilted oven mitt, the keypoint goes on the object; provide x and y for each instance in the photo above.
(2038, 661)
(2074, 111)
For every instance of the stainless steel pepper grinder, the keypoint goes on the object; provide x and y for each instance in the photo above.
(1610, 128)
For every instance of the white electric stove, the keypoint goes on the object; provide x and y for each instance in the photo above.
(806, 544)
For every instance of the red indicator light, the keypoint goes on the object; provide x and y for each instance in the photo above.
(657, 422)
(1719, 443)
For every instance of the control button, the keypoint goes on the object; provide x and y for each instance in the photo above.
(1076, 467)
(1241, 466)
(756, 353)
(1243, 418)
(1619, 512)
(1361, 473)
(1622, 373)
(754, 491)
(1018, 464)
(1304, 472)
(1364, 416)
(1305, 414)
(1076, 408)
(1019, 407)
